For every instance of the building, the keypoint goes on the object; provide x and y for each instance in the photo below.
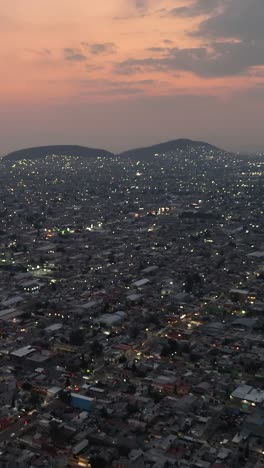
(82, 402)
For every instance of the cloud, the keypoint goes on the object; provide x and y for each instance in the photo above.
(256, 91)
(141, 5)
(240, 19)
(156, 49)
(101, 48)
(218, 59)
(91, 67)
(125, 92)
(232, 35)
(74, 55)
(115, 84)
(44, 52)
(91, 87)
(135, 9)
(39, 53)
(133, 66)
(258, 72)
(197, 8)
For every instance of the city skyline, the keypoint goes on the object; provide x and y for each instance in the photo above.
(130, 73)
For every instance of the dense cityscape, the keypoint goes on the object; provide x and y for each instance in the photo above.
(131, 310)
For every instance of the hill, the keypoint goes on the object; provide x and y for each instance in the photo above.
(60, 150)
(186, 145)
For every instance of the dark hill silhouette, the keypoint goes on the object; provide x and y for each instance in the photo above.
(60, 150)
(169, 146)
(145, 153)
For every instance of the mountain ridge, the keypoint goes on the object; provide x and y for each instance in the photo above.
(147, 152)
(167, 146)
(37, 152)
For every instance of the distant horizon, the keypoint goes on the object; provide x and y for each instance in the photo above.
(122, 150)
(127, 73)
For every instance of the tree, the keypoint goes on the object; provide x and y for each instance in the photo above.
(122, 359)
(76, 337)
(132, 408)
(154, 319)
(98, 462)
(67, 382)
(54, 431)
(111, 258)
(25, 316)
(104, 412)
(131, 389)
(35, 397)
(96, 347)
(73, 366)
(133, 332)
(166, 351)
(26, 386)
(106, 308)
(83, 360)
(65, 396)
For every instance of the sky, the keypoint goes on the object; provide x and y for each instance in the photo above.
(117, 74)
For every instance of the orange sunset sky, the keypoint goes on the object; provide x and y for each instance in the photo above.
(123, 73)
